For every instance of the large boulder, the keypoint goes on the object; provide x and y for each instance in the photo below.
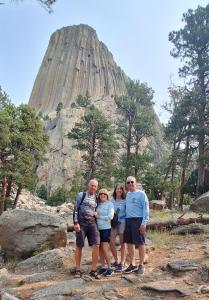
(157, 204)
(201, 204)
(22, 232)
(50, 260)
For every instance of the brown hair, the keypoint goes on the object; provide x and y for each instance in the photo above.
(123, 196)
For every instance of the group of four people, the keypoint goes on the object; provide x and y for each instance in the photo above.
(92, 219)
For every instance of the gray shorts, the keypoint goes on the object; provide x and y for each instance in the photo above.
(119, 229)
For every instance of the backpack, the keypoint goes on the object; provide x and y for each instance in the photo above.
(115, 220)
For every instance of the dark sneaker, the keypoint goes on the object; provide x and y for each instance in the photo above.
(108, 272)
(94, 274)
(114, 265)
(77, 274)
(140, 271)
(120, 267)
(102, 271)
(130, 269)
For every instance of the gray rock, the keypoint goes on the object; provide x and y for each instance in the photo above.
(48, 260)
(191, 228)
(22, 232)
(4, 277)
(183, 265)
(157, 204)
(6, 296)
(39, 277)
(165, 288)
(201, 204)
(58, 291)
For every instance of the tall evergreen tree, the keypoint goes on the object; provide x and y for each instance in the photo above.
(135, 121)
(191, 44)
(22, 145)
(95, 137)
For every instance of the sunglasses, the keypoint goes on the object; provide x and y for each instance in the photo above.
(103, 194)
(128, 182)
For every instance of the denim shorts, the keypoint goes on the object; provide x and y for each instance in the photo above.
(132, 235)
(105, 235)
(91, 232)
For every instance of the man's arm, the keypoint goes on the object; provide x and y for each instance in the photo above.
(145, 213)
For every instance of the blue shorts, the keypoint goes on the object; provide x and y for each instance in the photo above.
(105, 235)
(132, 235)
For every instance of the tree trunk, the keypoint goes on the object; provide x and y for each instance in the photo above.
(183, 174)
(173, 170)
(17, 196)
(179, 222)
(3, 194)
(201, 145)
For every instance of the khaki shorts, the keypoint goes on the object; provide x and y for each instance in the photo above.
(119, 229)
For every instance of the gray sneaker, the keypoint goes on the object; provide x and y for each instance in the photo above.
(140, 271)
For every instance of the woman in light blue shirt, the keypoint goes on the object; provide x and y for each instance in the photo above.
(118, 201)
(105, 212)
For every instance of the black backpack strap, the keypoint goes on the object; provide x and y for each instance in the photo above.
(83, 197)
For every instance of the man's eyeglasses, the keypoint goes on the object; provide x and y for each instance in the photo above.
(128, 182)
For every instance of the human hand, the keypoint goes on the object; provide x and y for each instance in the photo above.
(142, 228)
(77, 228)
(96, 214)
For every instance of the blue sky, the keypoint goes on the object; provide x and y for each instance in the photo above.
(135, 31)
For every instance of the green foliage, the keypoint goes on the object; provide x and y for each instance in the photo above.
(22, 144)
(41, 192)
(191, 45)
(83, 101)
(95, 137)
(45, 117)
(59, 107)
(77, 184)
(47, 4)
(135, 122)
(59, 196)
(191, 183)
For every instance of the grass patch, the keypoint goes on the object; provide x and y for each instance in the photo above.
(42, 248)
(20, 283)
(159, 238)
(11, 264)
(163, 238)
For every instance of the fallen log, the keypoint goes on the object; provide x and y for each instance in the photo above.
(168, 225)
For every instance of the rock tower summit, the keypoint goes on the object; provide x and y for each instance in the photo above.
(75, 62)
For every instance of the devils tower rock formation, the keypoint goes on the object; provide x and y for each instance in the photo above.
(75, 62)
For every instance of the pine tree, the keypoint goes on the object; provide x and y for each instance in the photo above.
(95, 137)
(191, 45)
(22, 146)
(135, 122)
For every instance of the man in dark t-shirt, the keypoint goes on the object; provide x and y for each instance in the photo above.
(85, 226)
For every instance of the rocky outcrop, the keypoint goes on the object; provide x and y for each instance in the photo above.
(46, 261)
(76, 62)
(201, 204)
(22, 232)
(29, 201)
(157, 204)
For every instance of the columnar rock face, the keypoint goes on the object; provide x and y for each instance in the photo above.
(75, 62)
